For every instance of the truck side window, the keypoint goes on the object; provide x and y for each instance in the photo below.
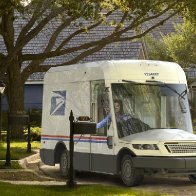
(100, 108)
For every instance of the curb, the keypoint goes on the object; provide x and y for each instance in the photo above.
(29, 161)
(31, 164)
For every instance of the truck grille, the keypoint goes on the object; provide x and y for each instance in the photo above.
(181, 147)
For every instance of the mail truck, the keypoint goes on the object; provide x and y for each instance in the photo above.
(153, 133)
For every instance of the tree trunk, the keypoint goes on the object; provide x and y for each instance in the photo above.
(15, 92)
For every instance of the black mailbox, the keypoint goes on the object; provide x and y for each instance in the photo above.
(84, 127)
(77, 128)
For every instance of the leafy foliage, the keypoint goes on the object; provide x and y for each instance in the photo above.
(35, 133)
(178, 46)
(181, 45)
(157, 49)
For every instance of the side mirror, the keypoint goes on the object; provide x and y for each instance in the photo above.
(182, 106)
(110, 142)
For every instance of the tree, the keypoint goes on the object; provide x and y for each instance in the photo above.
(181, 45)
(157, 49)
(16, 64)
(178, 46)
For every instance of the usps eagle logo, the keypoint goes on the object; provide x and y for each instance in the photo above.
(58, 99)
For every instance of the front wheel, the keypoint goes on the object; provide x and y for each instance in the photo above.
(130, 176)
(192, 178)
(64, 163)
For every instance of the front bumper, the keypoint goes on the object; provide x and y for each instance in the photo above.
(173, 163)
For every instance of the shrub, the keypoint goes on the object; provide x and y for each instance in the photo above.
(35, 116)
(35, 133)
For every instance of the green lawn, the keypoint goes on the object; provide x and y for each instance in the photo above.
(18, 149)
(81, 190)
(194, 126)
(14, 165)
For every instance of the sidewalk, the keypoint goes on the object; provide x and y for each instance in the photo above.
(45, 175)
(30, 174)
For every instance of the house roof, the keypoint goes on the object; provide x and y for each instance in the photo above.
(165, 29)
(128, 50)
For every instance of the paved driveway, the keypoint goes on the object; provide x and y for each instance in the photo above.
(165, 184)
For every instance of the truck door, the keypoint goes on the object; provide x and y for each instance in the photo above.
(79, 101)
(101, 149)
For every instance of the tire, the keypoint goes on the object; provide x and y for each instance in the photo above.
(192, 178)
(64, 163)
(130, 176)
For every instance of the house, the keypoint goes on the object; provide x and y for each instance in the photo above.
(124, 50)
(34, 85)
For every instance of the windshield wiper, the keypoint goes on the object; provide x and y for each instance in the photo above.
(158, 83)
(181, 95)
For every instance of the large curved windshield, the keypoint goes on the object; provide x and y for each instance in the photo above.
(140, 107)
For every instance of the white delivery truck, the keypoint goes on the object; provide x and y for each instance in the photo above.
(152, 133)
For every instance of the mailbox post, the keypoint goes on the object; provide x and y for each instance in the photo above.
(8, 162)
(71, 182)
(77, 128)
(29, 139)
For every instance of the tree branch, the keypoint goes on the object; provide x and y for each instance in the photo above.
(148, 30)
(33, 67)
(84, 54)
(36, 30)
(35, 63)
(37, 13)
(53, 38)
(82, 31)
(115, 35)
(62, 52)
(118, 27)
(137, 22)
(8, 29)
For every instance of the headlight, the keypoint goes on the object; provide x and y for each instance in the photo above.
(145, 146)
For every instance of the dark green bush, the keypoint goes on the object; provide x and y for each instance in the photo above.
(35, 133)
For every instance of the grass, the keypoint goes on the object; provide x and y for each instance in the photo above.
(14, 165)
(194, 126)
(18, 149)
(82, 190)
(18, 175)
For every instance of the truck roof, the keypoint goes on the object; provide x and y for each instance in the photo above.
(117, 70)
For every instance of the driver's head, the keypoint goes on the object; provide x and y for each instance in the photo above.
(118, 106)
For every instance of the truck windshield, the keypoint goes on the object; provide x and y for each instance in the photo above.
(141, 107)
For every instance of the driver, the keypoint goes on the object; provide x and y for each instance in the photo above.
(107, 120)
(118, 109)
(127, 124)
